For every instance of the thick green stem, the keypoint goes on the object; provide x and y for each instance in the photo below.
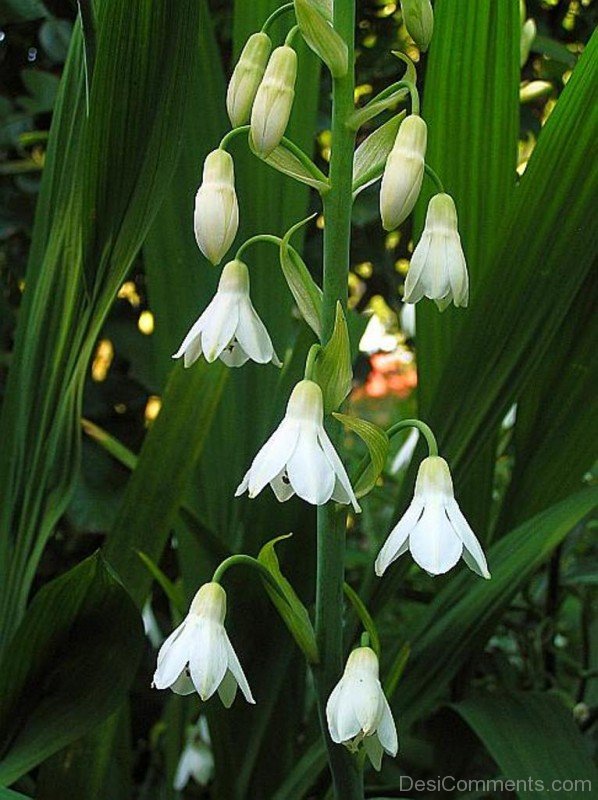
(346, 773)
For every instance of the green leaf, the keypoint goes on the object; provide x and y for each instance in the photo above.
(364, 616)
(304, 774)
(388, 99)
(377, 443)
(43, 88)
(8, 794)
(285, 160)
(22, 10)
(171, 590)
(333, 370)
(463, 614)
(288, 605)
(166, 461)
(55, 35)
(370, 157)
(534, 741)
(321, 37)
(68, 666)
(306, 292)
(397, 668)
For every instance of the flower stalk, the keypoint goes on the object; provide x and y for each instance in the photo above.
(346, 774)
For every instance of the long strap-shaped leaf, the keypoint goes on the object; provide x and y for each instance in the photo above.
(534, 741)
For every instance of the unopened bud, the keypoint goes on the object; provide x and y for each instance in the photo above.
(419, 21)
(216, 218)
(246, 78)
(403, 173)
(274, 101)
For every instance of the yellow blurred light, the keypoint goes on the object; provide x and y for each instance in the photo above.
(365, 269)
(566, 75)
(21, 285)
(378, 306)
(120, 408)
(128, 291)
(370, 40)
(325, 143)
(152, 408)
(392, 240)
(102, 360)
(548, 109)
(145, 323)
(362, 90)
(387, 10)
(402, 266)
(356, 290)
(320, 222)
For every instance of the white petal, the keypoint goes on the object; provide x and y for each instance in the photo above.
(347, 724)
(472, 550)
(433, 543)
(415, 282)
(366, 692)
(173, 656)
(228, 689)
(252, 334)
(183, 684)
(310, 472)
(273, 456)
(332, 711)
(237, 671)
(457, 273)
(193, 352)
(373, 748)
(338, 467)
(387, 731)
(398, 539)
(194, 334)
(183, 770)
(281, 486)
(208, 660)
(221, 325)
(233, 355)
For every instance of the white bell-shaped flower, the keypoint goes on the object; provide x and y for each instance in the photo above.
(216, 217)
(274, 100)
(246, 78)
(438, 269)
(299, 458)
(229, 328)
(198, 655)
(197, 760)
(357, 710)
(404, 172)
(433, 527)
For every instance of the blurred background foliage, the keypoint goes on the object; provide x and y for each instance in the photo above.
(544, 640)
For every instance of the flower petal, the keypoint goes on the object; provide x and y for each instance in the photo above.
(472, 550)
(387, 730)
(220, 328)
(253, 336)
(208, 660)
(173, 656)
(366, 691)
(338, 467)
(311, 474)
(272, 458)
(433, 543)
(398, 539)
(183, 684)
(237, 671)
(281, 486)
(415, 282)
(374, 750)
(228, 689)
(332, 711)
(347, 724)
(233, 355)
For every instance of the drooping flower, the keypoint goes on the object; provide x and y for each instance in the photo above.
(274, 100)
(197, 759)
(358, 712)
(198, 655)
(246, 78)
(299, 458)
(433, 528)
(229, 328)
(418, 17)
(216, 217)
(438, 269)
(404, 172)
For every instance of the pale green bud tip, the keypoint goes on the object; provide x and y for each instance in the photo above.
(210, 602)
(274, 101)
(246, 78)
(306, 402)
(404, 172)
(363, 659)
(412, 136)
(219, 168)
(434, 478)
(442, 213)
(234, 278)
(418, 17)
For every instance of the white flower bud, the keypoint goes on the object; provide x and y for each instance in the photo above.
(419, 21)
(273, 101)
(404, 172)
(438, 269)
(246, 78)
(216, 218)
